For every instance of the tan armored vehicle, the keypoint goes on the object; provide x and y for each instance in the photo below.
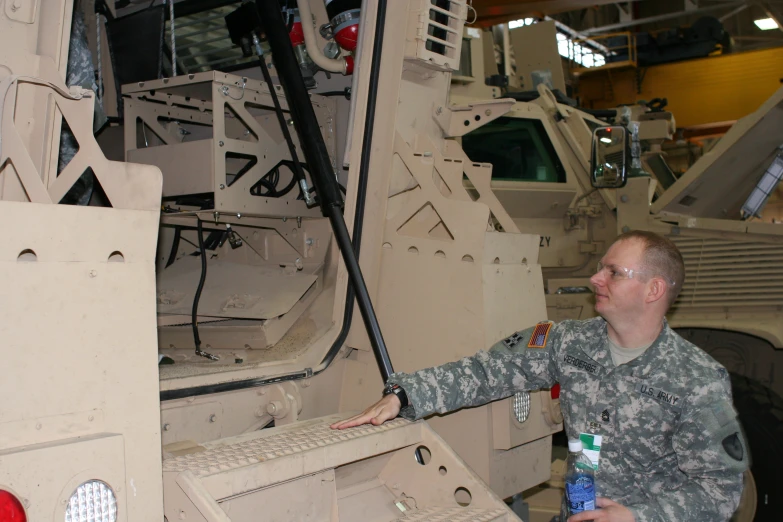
(243, 282)
(545, 174)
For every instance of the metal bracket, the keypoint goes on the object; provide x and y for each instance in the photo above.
(459, 120)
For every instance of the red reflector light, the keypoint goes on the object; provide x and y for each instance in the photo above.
(11, 509)
(555, 391)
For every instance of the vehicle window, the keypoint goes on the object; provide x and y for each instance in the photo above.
(518, 149)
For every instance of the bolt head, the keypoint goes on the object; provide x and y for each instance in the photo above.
(213, 418)
(222, 186)
(221, 143)
(166, 427)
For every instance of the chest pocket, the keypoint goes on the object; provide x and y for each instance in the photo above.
(647, 416)
(579, 388)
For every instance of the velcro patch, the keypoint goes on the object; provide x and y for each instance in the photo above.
(540, 335)
(664, 397)
(582, 365)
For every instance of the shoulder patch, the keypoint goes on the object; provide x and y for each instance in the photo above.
(512, 340)
(540, 335)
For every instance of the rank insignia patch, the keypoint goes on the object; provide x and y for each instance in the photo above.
(540, 335)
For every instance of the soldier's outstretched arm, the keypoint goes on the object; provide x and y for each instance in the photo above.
(523, 361)
(386, 408)
(712, 453)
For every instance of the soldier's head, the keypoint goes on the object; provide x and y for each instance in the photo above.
(641, 272)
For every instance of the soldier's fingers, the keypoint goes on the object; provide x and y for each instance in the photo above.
(595, 516)
(356, 420)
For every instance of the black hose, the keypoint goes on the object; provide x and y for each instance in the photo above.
(174, 246)
(197, 297)
(297, 167)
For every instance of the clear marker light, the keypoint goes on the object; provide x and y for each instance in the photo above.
(93, 501)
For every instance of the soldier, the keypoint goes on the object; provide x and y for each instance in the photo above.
(659, 408)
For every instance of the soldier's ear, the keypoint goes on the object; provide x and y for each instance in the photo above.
(656, 290)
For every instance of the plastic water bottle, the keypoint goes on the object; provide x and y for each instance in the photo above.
(579, 480)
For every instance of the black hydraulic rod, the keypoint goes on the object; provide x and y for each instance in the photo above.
(299, 105)
(324, 179)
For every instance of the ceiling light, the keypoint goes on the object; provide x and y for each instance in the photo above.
(764, 188)
(765, 24)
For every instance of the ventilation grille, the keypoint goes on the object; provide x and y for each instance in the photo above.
(435, 32)
(730, 274)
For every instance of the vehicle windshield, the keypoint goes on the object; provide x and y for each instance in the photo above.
(518, 149)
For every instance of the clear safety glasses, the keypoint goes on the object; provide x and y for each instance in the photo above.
(617, 273)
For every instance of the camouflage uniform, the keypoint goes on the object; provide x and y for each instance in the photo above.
(672, 446)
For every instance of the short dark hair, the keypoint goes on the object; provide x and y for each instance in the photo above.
(662, 258)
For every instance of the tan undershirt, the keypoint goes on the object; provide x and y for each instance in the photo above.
(622, 355)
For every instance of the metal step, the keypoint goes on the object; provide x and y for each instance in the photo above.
(307, 471)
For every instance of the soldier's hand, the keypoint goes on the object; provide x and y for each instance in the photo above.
(610, 511)
(383, 410)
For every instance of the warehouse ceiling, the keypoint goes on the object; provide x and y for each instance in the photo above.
(202, 40)
(597, 17)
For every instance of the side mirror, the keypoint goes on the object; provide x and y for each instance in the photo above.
(611, 157)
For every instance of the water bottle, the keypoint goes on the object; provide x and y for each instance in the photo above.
(579, 480)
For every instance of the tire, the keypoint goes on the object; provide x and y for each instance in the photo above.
(761, 415)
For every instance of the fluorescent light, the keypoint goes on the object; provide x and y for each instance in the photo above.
(606, 140)
(764, 188)
(514, 24)
(765, 24)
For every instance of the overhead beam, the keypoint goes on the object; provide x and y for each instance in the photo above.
(771, 14)
(733, 13)
(657, 18)
(626, 11)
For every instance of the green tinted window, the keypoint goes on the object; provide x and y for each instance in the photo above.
(519, 150)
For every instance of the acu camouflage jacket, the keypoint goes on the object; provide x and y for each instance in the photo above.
(672, 447)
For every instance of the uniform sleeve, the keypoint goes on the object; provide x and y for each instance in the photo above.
(712, 452)
(511, 365)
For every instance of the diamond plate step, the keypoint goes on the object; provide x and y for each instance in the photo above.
(237, 452)
(437, 514)
(267, 457)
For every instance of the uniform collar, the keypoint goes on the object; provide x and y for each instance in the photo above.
(658, 352)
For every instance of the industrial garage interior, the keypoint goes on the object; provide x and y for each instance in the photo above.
(391, 260)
